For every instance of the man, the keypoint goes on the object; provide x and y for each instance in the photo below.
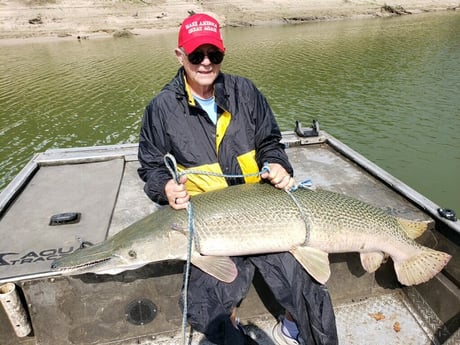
(222, 124)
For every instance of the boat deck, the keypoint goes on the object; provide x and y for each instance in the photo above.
(387, 319)
(103, 186)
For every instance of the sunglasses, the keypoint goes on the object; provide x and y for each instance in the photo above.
(196, 57)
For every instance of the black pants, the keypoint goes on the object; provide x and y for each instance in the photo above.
(210, 301)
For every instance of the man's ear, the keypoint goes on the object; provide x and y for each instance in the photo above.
(180, 55)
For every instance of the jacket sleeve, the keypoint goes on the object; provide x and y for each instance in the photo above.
(267, 135)
(152, 148)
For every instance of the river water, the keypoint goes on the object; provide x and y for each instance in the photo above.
(389, 88)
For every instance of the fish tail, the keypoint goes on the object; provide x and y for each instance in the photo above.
(421, 267)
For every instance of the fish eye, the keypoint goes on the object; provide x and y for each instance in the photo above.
(132, 254)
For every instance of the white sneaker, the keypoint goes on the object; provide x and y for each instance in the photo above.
(280, 338)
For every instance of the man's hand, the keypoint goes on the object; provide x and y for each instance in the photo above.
(278, 176)
(176, 193)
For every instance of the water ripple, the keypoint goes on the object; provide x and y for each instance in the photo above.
(388, 88)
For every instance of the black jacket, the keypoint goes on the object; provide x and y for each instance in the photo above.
(246, 135)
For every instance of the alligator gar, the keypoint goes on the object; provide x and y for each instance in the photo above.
(258, 218)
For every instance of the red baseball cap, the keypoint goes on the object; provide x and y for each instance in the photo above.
(199, 29)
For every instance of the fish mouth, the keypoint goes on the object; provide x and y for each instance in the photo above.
(58, 266)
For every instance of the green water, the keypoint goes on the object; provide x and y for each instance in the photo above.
(389, 88)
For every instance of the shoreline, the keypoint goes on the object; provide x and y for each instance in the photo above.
(32, 21)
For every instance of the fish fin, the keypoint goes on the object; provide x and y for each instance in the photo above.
(315, 262)
(220, 267)
(372, 261)
(421, 267)
(413, 228)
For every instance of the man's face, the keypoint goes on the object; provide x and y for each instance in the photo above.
(201, 74)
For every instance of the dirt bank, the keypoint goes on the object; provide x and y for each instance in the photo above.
(34, 19)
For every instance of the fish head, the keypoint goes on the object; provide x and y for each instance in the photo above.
(100, 259)
(142, 243)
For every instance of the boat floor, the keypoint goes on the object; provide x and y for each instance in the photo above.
(388, 319)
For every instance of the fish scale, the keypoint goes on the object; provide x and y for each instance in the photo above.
(218, 221)
(350, 217)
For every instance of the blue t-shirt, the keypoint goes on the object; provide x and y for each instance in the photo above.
(208, 105)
